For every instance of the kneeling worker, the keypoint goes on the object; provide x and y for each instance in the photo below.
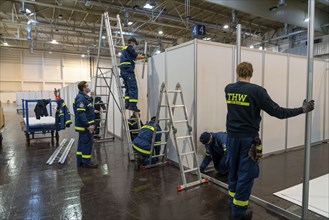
(142, 143)
(215, 144)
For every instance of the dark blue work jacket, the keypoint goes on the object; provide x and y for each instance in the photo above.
(84, 112)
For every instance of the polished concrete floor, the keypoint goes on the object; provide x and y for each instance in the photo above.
(30, 189)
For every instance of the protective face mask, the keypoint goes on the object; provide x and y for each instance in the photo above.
(88, 90)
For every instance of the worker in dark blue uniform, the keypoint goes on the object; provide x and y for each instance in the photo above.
(142, 143)
(127, 68)
(133, 125)
(85, 125)
(244, 103)
(215, 144)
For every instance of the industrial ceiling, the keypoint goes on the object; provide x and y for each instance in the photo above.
(74, 24)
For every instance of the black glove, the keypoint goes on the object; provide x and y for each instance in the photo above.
(256, 149)
(308, 106)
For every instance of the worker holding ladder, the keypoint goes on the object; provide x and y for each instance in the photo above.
(127, 67)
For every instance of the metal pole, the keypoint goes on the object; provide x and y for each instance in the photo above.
(310, 42)
(238, 47)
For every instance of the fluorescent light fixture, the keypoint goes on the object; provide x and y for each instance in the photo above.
(82, 55)
(148, 6)
(130, 23)
(31, 14)
(119, 54)
(260, 48)
(251, 46)
(53, 41)
(158, 51)
(160, 32)
(207, 38)
(226, 26)
(306, 19)
(5, 44)
(103, 37)
(28, 11)
(50, 52)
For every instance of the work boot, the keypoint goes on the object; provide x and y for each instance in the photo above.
(134, 109)
(91, 165)
(245, 216)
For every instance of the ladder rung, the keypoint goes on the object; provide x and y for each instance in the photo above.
(190, 170)
(101, 103)
(162, 143)
(103, 111)
(174, 91)
(164, 119)
(101, 87)
(161, 132)
(100, 119)
(188, 153)
(102, 94)
(183, 137)
(159, 155)
(178, 106)
(117, 46)
(164, 106)
(180, 121)
(108, 68)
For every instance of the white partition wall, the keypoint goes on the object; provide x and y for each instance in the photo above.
(296, 94)
(319, 76)
(214, 68)
(275, 82)
(203, 82)
(180, 67)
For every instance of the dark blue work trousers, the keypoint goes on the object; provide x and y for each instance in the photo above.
(85, 145)
(243, 171)
(131, 92)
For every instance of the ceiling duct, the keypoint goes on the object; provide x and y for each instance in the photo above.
(22, 8)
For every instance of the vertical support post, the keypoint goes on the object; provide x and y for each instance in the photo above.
(310, 44)
(238, 47)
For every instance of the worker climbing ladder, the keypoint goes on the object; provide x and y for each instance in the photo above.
(105, 76)
(181, 140)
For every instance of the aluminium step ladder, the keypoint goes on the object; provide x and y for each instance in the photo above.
(174, 124)
(115, 41)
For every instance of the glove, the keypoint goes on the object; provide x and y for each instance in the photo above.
(308, 106)
(256, 149)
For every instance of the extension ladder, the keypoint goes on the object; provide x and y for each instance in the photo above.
(114, 42)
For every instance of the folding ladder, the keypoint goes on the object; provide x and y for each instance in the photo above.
(113, 73)
(172, 124)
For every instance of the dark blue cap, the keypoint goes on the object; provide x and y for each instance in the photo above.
(205, 137)
(132, 39)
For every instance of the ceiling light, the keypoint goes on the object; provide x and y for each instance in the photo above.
(225, 26)
(148, 6)
(306, 19)
(50, 52)
(119, 54)
(160, 32)
(260, 48)
(158, 51)
(103, 37)
(53, 41)
(130, 23)
(82, 55)
(207, 38)
(5, 44)
(251, 46)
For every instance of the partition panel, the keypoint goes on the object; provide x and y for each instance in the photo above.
(297, 93)
(255, 57)
(180, 66)
(326, 117)
(275, 82)
(214, 72)
(319, 71)
(156, 76)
